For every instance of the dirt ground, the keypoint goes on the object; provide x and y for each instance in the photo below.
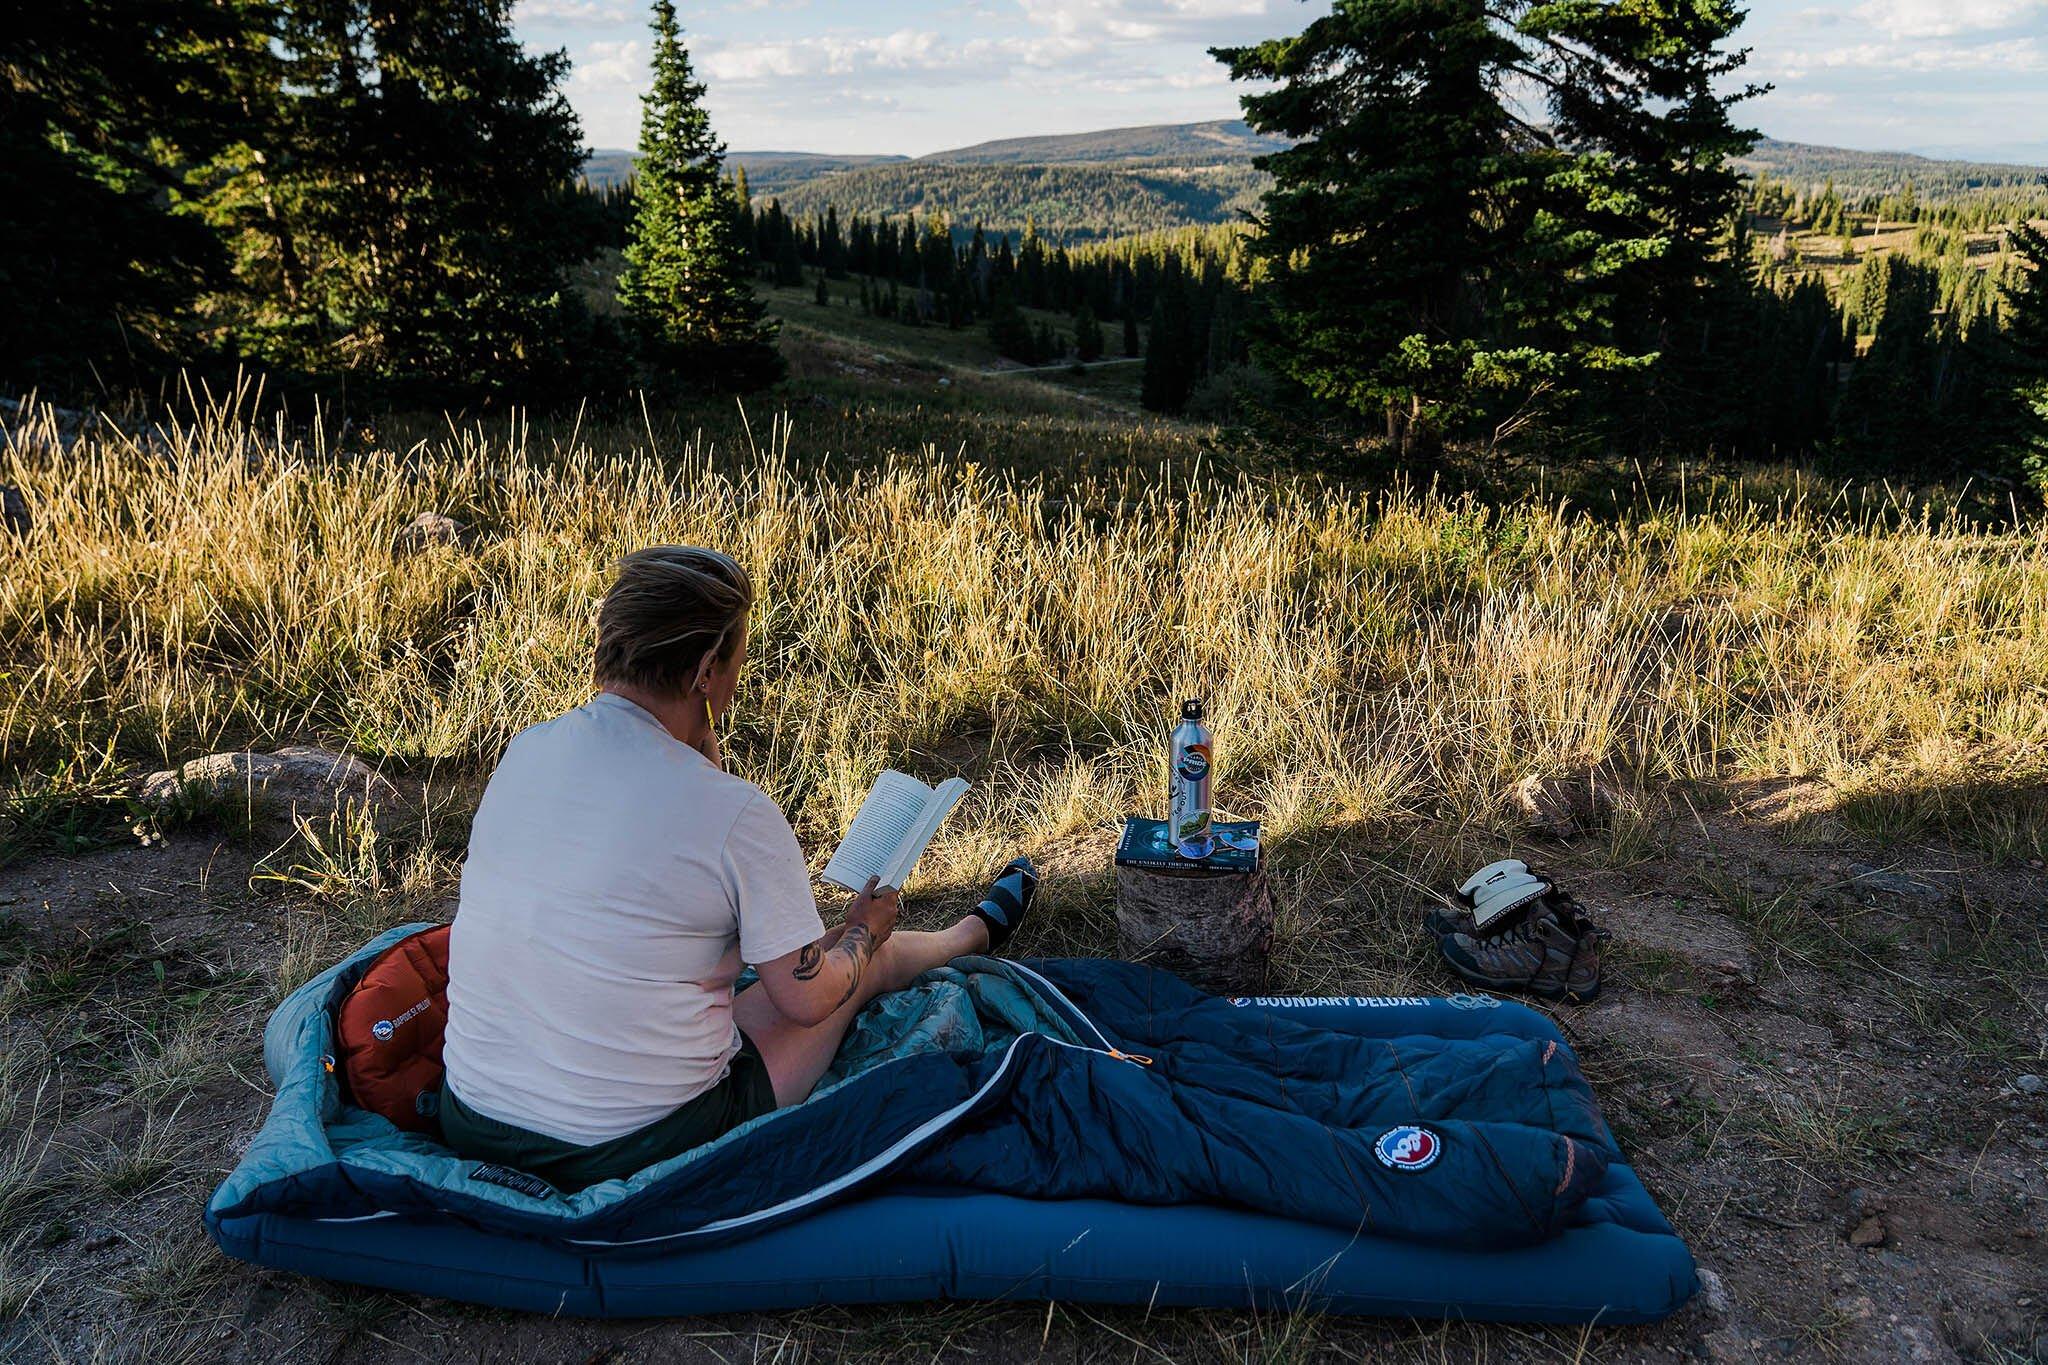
(1821, 1045)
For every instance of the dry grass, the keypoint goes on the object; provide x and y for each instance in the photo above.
(1367, 656)
(1381, 667)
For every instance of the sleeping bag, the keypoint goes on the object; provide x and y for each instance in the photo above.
(1064, 1084)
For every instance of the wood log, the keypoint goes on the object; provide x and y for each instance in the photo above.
(1214, 929)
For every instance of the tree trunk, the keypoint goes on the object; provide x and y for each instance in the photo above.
(1215, 929)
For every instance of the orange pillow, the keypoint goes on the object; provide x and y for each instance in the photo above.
(388, 1031)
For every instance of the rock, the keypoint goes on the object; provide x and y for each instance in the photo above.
(1567, 805)
(427, 530)
(1919, 1342)
(1713, 1293)
(298, 780)
(14, 511)
(1869, 1233)
(2029, 1084)
(1864, 1202)
(1868, 878)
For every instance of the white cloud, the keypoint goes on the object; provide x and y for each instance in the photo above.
(1947, 18)
(605, 64)
(833, 55)
(591, 12)
(2009, 56)
(1139, 20)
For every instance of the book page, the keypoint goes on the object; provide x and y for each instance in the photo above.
(943, 798)
(891, 814)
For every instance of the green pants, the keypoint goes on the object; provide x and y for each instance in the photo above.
(745, 1093)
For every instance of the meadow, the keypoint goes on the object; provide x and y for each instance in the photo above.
(1773, 674)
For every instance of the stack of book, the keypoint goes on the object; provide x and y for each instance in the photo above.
(1145, 844)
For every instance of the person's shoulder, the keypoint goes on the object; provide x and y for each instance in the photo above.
(755, 816)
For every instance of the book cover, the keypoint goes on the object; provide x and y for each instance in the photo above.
(1145, 844)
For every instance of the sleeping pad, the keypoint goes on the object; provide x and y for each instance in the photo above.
(1071, 1080)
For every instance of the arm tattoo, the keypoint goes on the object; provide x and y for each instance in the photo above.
(808, 962)
(856, 945)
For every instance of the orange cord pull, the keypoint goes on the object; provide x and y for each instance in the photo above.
(1130, 1057)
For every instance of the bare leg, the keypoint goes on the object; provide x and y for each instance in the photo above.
(797, 1056)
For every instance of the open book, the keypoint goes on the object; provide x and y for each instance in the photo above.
(890, 830)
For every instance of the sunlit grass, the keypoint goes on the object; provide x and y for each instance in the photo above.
(1366, 656)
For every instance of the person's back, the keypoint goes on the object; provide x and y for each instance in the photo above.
(600, 929)
(617, 880)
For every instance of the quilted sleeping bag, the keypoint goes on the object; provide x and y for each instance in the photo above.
(1056, 1084)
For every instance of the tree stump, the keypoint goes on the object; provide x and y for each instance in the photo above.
(1213, 928)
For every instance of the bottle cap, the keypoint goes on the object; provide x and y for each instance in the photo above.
(1191, 709)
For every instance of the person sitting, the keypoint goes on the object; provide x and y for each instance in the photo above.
(618, 879)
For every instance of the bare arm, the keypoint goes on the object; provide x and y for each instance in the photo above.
(808, 985)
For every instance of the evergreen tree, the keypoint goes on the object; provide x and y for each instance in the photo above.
(1438, 259)
(685, 284)
(1045, 344)
(831, 246)
(1008, 330)
(406, 213)
(1088, 340)
(2024, 350)
(102, 108)
(1131, 347)
(1169, 375)
(1651, 120)
(822, 296)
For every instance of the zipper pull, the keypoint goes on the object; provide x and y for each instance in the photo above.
(1130, 1057)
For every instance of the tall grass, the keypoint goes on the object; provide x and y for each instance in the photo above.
(1366, 656)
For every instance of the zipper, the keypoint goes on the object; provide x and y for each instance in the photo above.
(930, 1128)
(1108, 1047)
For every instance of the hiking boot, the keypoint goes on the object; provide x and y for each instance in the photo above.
(1553, 953)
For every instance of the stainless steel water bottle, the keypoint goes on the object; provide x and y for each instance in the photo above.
(1188, 815)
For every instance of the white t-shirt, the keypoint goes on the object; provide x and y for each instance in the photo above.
(616, 882)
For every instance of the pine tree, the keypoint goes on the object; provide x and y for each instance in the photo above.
(1131, 346)
(406, 212)
(1088, 340)
(1648, 119)
(1009, 331)
(685, 283)
(102, 107)
(2024, 349)
(821, 296)
(1441, 261)
(1169, 375)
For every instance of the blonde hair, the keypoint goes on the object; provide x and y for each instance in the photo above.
(670, 607)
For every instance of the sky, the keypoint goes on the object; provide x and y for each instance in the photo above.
(1942, 77)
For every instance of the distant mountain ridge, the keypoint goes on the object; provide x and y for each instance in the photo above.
(1218, 140)
(1116, 181)
(1857, 172)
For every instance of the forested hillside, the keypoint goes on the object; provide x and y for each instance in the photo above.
(1076, 202)
(767, 172)
(1809, 167)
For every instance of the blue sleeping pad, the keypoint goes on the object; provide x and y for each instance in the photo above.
(1079, 1129)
